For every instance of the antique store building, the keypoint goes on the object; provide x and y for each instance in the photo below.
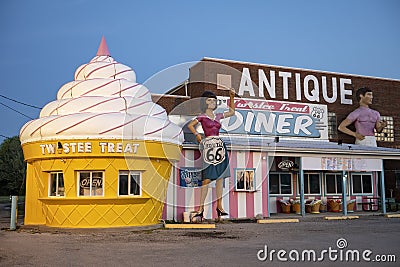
(283, 143)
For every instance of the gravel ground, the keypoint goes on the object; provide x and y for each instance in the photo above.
(230, 244)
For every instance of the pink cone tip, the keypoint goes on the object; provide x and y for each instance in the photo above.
(103, 48)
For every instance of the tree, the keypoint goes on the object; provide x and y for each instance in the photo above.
(12, 167)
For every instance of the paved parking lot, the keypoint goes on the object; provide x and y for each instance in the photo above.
(230, 244)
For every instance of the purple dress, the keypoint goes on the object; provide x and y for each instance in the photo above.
(214, 152)
(210, 127)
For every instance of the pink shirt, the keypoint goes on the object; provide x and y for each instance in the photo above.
(210, 126)
(364, 119)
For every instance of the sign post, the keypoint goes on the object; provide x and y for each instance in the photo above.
(344, 197)
(302, 204)
(14, 213)
(383, 201)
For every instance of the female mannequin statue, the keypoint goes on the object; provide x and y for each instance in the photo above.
(215, 155)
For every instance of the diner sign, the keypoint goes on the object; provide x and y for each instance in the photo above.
(276, 118)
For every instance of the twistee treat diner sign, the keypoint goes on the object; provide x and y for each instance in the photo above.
(277, 118)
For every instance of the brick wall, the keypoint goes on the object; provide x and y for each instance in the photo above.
(203, 76)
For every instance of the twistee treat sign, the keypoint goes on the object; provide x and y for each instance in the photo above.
(213, 150)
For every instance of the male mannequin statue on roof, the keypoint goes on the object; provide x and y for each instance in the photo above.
(365, 120)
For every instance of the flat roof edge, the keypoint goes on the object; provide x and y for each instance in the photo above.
(294, 68)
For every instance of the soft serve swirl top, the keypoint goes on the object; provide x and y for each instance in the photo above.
(103, 102)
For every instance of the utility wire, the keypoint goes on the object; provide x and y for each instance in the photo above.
(16, 111)
(4, 136)
(32, 106)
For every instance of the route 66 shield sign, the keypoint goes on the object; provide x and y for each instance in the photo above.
(213, 150)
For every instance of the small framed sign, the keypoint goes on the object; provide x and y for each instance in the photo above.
(190, 177)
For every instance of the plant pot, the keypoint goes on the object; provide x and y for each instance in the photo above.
(285, 208)
(315, 207)
(296, 208)
(308, 208)
(334, 206)
(350, 206)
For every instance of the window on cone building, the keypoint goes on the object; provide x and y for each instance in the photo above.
(91, 183)
(130, 183)
(56, 185)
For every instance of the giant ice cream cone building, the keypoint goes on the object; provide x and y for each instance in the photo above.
(100, 155)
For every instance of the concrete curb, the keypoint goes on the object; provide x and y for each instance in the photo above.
(341, 217)
(397, 215)
(190, 226)
(278, 221)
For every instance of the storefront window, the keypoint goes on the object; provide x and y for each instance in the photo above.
(56, 185)
(90, 183)
(129, 183)
(362, 183)
(312, 184)
(333, 182)
(280, 183)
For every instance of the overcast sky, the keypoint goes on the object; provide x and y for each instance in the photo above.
(43, 42)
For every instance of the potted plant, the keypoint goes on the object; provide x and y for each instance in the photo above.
(334, 205)
(285, 205)
(295, 205)
(350, 205)
(315, 204)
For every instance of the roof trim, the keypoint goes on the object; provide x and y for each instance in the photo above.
(293, 68)
(282, 148)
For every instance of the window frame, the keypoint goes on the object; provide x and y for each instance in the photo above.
(280, 183)
(387, 134)
(397, 179)
(320, 184)
(362, 187)
(129, 173)
(336, 177)
(57, 173)
(332, 125)
(91, 182)
(245, 189)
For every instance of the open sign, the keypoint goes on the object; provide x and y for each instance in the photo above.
(96, 182)
(285, 164)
